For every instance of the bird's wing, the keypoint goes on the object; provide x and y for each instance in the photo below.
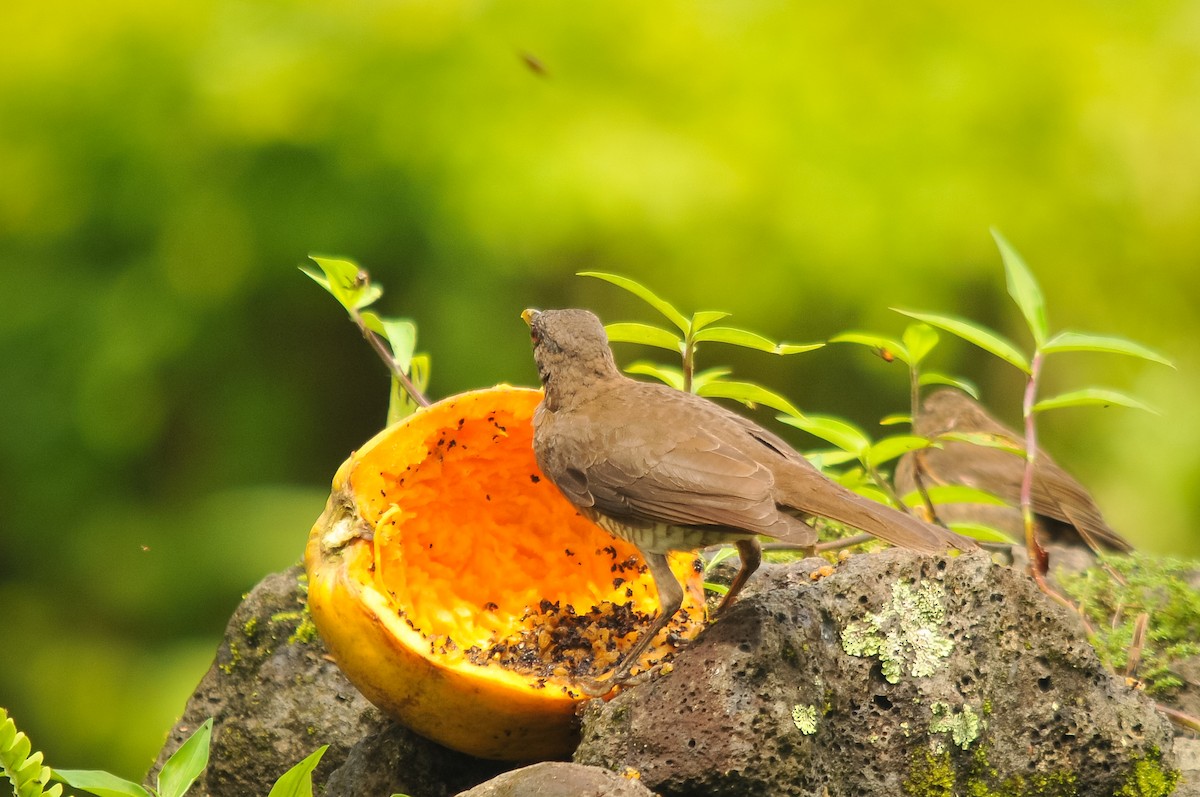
(1056, 494)
(645, 455)
(685, 476)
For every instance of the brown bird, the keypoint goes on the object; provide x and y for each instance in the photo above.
(1065, 511)
(670, 471)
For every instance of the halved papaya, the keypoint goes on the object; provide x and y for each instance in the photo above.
(462, 594)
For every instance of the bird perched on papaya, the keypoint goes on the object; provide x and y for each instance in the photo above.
(669, 470)
(1064, 510)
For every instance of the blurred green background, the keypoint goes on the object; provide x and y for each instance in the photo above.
(176, 395)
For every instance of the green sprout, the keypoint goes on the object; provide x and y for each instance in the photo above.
(393, 339)
(700, 328)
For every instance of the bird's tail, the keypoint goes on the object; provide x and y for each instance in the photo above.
(833, 501)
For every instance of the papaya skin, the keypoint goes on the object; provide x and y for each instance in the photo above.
(439, 537)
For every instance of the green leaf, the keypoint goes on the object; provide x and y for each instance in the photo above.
(645, 294)
(971, 332)
(830, 458)
(1082, 341)
(186, 763)
(646, 334)
(1092, 397)
(749, 394)
(1024, 290)
(842, 434)
(978, 531)
(895, 419)
(709, 375)
(401, 336)
(665, 374)
(954, 494)
(100, 783)
(796, 348)
(345, 280)
(751, 340)
(880, 343)
(297, 781)
(984, 439)
(919, 339)
(934, 378)
(890, 448)
(705, 317)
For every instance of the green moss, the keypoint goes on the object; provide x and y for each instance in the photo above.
(305, 632)
(235, 658)
(1156, 585)
(1149, 778)
(250, 628)
(905, 634)
(932, 775)
(938, 773)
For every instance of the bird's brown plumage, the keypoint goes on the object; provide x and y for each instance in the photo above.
(673, 471)
(1064, 507)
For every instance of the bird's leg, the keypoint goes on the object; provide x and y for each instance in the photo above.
(750, 552)
(670, 598)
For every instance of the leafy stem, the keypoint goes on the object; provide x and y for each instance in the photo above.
(393, 339)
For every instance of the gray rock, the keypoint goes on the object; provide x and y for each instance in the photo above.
(893, 675)
(276, 697)
(559, 779)
(397, 761)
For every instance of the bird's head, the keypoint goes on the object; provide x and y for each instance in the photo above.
(570, 349)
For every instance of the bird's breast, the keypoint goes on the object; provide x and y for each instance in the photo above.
(663, 537)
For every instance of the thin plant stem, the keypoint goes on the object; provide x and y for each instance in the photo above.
(380, 345)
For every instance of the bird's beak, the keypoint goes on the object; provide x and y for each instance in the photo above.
(528, 315)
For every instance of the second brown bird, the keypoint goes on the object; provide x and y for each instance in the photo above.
(1065, 511)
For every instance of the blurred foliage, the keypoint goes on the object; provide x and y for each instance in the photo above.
(176, 397)
(1113, 594)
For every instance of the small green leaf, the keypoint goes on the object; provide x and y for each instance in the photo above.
(705, 317)
(1092, 397)
(978, 531)
(718, 556)
(345, 280)
(665, 374)
(896, 419)
(934, 378)
(919, 339)
(954, 494)
(401, 335)
(751, 340)
(749, 394)
(186, 763)
(984, 439)
(890, 448)
(709, 375)
(1024, 290)
(646, 334)
(880, 343)
(830, 458)
(842, 434)
(1082, 341)
(100, 783)
(645, 294)
(971, 332)
(796, 348)
(297, 781)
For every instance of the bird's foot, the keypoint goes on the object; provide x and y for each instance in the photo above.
(597, 687)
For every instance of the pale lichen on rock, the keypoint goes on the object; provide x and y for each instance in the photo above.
(906, 634)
